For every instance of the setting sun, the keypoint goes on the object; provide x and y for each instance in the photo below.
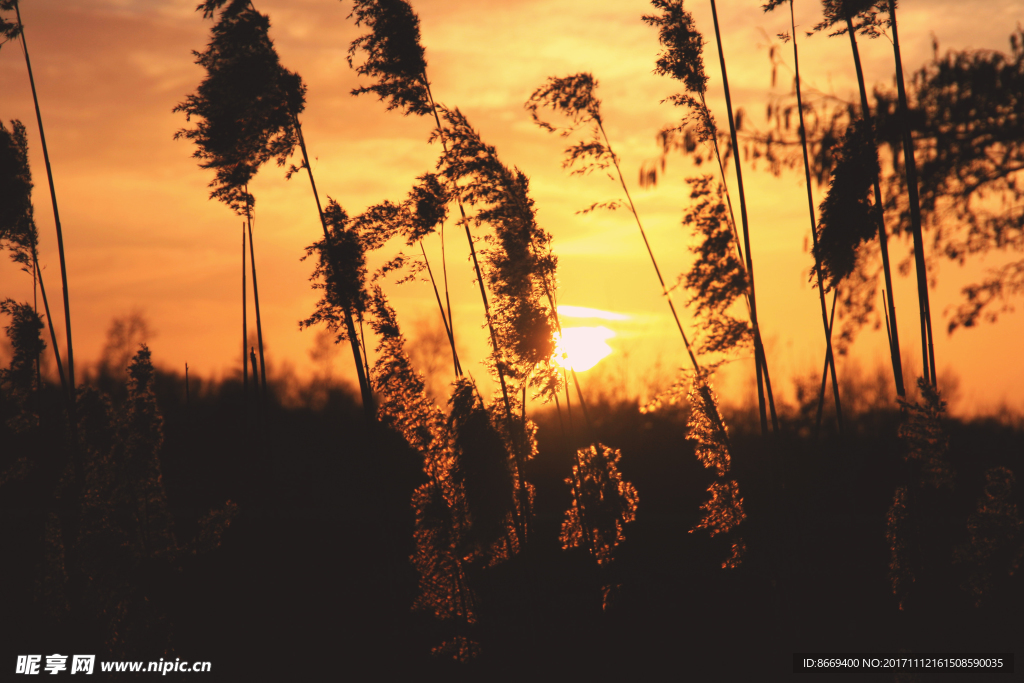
(583, 347)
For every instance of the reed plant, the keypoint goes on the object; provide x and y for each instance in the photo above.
(910, 166)
(826, 323)
(682, 59)
(994, 550)
(521, 332)
(247, 112)
(964, 110)
(421, 214)
(11, 30)
(846, 12)
(18, 231)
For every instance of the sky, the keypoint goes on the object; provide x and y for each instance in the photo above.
(142, 235)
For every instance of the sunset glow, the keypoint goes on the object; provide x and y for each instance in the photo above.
(581, 348)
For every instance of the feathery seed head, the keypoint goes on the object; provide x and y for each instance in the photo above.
(26, 343)
(17, 225)
(717, 278)
(705, 426)
(603, 503)
(518, 263)
(340, 272)
(404, 404)
(863, 14)
(848, 217)
(394, 56)
(722, 513)
(923, 432)
(9, 30)
(682, 58)
(572, 96)
(482, 465)
(428, 203)
(246, 106)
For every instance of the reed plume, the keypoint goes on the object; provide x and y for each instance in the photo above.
(18, 230)
(340, 272)
(420, 215)
(603, 503)
(924, 434)
(18, 380)
(848, 12)
(995, 548)
(443, 524)
(244, 108)
(515, 256)
(848, 218)
(723, 512)
(394, 57)
(13, 30)
(244, 111)
(717, 277)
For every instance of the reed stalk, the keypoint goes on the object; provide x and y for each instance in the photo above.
(369, 405)
(262, 392)
(444, 318)
(826, 323)
(883, 240)
(60, 234)
(761, 363)
(245, 332)
(927, 346)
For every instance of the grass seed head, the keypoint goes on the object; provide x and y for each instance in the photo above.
(394, 57)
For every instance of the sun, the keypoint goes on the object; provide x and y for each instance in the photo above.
(581, 348)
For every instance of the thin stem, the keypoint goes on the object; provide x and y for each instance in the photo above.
(709, 403)
(829, 362)
(369, 405)
(444, 318)
(259, 403)
(826, 324)
(256, 299)
(53, 334)
(35, 309)
(245, 331)
(362, 345)
(927, 346)
(761, 363)
(520, 523)
(56, 220)
(883, 240)
(447, 300)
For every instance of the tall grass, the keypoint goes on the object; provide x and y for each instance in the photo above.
(845, 11)
(19, 30)
(245, 327)
(924, 306)
(246, 83)
(761, 365)
(826, 323)
(18, 230)
(682, 59)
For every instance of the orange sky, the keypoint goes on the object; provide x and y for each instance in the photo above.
(141, 234)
